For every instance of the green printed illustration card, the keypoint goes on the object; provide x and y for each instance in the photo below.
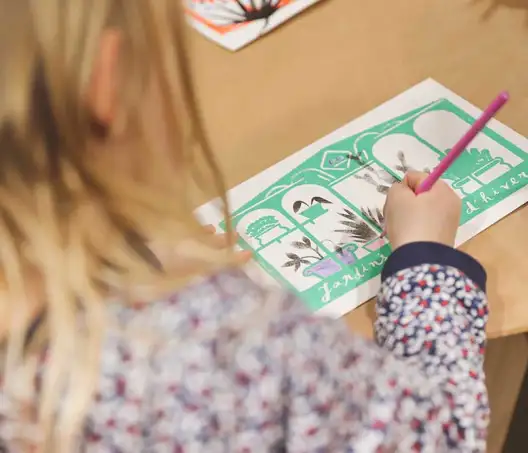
(314, 220)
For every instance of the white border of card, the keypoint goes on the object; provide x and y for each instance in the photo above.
(246, 34)
(417, 96)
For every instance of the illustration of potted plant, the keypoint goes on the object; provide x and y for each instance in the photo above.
(313, 210)
(316, 263)
(266, 229)
(467, 173)
(359, 231)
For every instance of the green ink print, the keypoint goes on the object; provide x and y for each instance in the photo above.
(266, 229)
(317, 229)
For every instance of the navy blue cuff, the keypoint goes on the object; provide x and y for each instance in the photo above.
(418, 253)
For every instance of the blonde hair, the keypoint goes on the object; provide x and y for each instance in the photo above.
(53, 193)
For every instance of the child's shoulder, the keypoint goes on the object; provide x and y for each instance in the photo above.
(223, 340)
(219, 301)
(220, 317)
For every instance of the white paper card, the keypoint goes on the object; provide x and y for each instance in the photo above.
(235, 23)
(314, 219)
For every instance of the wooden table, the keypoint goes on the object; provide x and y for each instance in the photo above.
(342, 58)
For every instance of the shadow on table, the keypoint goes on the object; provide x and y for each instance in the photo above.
(495, 5)
(516, 440)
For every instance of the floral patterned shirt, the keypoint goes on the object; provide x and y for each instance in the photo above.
(235, 367)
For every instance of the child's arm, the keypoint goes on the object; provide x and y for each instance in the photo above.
(433, 317)
(432, 308)
(424, 390)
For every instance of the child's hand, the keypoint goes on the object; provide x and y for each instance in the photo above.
(432, 216)
(222, 241)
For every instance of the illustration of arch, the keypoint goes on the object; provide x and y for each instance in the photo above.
(358, 150)
(442, 129)
(263, 226)
(419, 156)
(484, 161)
(300, 175)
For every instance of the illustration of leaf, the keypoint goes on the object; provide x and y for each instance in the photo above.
(297, 205)
(404, 167)
(300, 245)
(348, 224)
(368, 179)
(289, 264)
(360, 232)
(303, 261)
(307, 241)
(375, 216)
(293, 256)
(348, 214)
(297, 266)
(363, 233)
(320, 200)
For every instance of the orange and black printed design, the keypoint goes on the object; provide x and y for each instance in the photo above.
(224, 16)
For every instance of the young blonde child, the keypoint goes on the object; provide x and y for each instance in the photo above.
(127, 327)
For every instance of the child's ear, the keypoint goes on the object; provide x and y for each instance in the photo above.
(102, 94)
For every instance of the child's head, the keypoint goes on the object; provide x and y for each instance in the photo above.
(99, 143)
